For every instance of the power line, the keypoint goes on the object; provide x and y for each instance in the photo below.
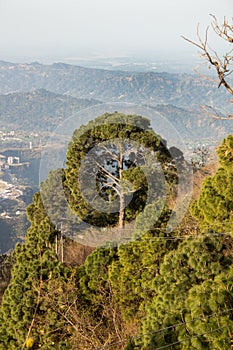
(198, 235)
(167, 328)
(188, 339)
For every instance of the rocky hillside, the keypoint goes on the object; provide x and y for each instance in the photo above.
(183, 90)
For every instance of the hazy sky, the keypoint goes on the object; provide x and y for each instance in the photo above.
(73, 27)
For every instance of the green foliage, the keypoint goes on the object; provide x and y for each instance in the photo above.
(196, 263)
(6, 263)
(214, 208)
(93, 276)
(55, 203)
(156, 290)
(225, 152)
(111, 162)
(210, 305)
(133, 273)
(130, 345)
(25, 306)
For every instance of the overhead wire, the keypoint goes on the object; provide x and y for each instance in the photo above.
(188, 339)
(169, 327)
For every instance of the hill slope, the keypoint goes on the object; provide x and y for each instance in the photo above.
(150, 87)
(38, 110)
(42, 110)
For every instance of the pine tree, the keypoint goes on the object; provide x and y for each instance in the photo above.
(110, 149)
(27, 320)
(214, 208)
(47, 305)
(196, 262)
(133, 273)
(209, 312)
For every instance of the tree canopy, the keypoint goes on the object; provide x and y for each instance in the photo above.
(111, 163)
(214, 208)
(162, 289)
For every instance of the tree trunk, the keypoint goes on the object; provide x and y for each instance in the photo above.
(121, 210)
(121, 195)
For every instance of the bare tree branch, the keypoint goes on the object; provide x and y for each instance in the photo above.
(214, 113)
(222, 64)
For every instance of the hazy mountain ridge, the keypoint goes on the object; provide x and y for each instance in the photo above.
(38, 110)
(183, 90)
(42, 110)
(193, 124)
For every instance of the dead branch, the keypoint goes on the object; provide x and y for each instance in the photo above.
(213, 113)
(225, 31)
(222, 64)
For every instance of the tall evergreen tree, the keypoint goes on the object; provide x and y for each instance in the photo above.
(27, 320)
(109, 152)
(196, 263)
(209, 310)
(214, 208)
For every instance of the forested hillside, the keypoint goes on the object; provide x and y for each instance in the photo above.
(157, 290)
(43, 111)
(38, 110)
(122, 251)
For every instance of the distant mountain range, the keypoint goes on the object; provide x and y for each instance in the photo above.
(182, 90)
(42, 110)
(39, 97)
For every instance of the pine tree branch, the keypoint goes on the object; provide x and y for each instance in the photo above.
(37, 303)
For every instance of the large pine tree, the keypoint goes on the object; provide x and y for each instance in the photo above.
(109, 152)
(214, 208)
(185, 293)
(27, 319)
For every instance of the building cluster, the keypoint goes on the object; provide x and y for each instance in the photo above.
(9, 191)
(6, 162)
(7, 133)
(13, 192)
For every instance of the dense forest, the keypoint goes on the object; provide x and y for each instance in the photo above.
(156, 290)
(138, 284)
